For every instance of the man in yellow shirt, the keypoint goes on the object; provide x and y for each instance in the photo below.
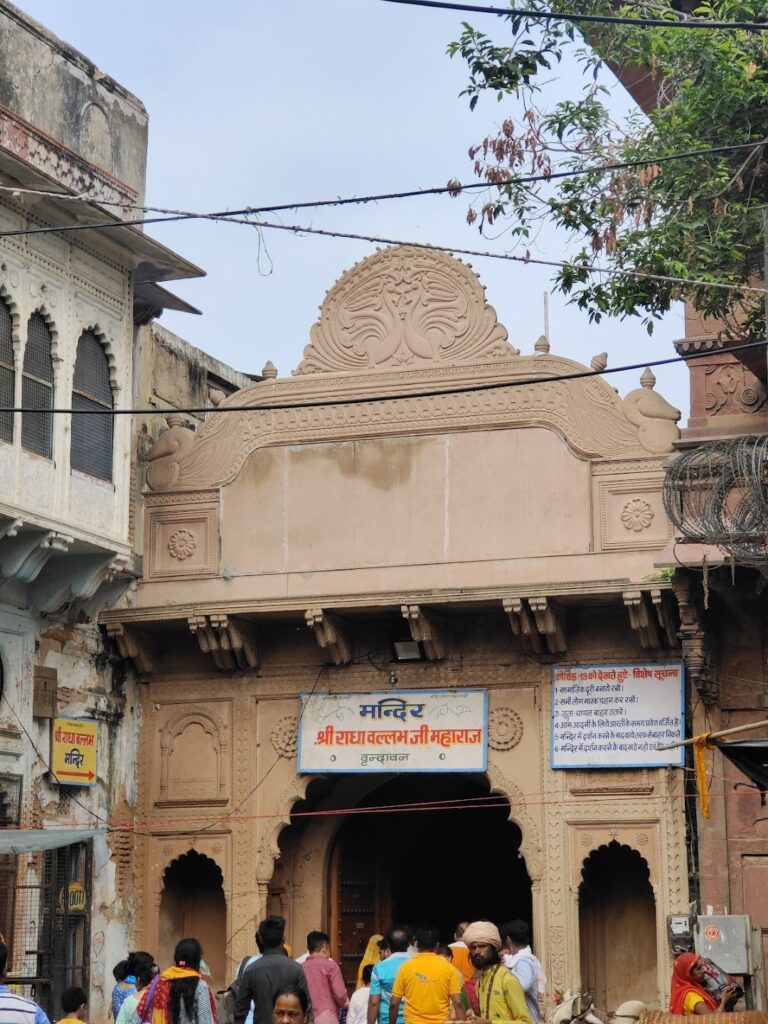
(499, 993)
(428, 983)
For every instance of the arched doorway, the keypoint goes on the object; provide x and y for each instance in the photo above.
(433, 848)
(192, 904)
(617, 927)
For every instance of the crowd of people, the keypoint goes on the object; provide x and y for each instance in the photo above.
(403, 977)
(486, 975)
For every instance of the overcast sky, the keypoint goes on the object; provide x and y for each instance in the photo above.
(254, 102)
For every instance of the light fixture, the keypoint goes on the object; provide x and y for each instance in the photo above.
(407, 650)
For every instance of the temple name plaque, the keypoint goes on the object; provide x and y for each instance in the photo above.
(394, 731)
(615, 716)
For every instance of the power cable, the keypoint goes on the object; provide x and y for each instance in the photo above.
(587, 267)
(170, 215)
(478, 802)
(429, 393)
(590, 19)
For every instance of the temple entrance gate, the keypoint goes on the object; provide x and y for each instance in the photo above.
(419, 848)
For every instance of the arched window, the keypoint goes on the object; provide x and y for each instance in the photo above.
(6, 372)
(37, 388)
(92, 390)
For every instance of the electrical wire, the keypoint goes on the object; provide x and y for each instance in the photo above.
(297, 229)
(590, 19)
(428, 393)
(476, 802)
(170, 215)
(585, 267)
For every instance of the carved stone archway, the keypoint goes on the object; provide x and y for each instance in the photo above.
(294, 869)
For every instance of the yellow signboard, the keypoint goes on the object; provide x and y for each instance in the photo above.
(76, 899)
(73, 751)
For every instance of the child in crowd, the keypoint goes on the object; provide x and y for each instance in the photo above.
(357, 1011)
(125, 983)
(73, 1001)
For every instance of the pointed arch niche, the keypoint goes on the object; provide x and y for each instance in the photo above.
(617, 926)
(193, 905)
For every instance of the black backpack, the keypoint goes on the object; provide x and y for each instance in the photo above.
(226, 1000)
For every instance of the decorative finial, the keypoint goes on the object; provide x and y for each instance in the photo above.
(542, 345)
(599, 362)
(216, 396)
(175, 419)
(648, 378)
(270, 370)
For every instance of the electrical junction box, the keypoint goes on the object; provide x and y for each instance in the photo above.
(726, 940)
(679, 928)
(680, 933)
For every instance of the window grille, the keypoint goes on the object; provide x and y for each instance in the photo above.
(7, 376)
(46, 901)
(37, 388)
(10, 799)
(91, 389)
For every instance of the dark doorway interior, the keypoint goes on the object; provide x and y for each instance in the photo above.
(192, 903)
(438, 864)
(616, 900)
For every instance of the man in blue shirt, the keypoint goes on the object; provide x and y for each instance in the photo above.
(16, 1009)
(384, 974)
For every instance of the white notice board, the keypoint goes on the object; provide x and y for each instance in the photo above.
(614, 716)
(394, 731)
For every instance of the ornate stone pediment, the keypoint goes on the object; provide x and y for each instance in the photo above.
(404, 306)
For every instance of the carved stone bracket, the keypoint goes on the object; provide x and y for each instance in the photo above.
(426, 630)
(538, 622)
(651, 615)
(330, 635)
(523, 624)
(10, 527)
(230, 642)
(663, 602)
(549, 622)
(24, 557)
(134, 644)
(642, 618)
(698, 651)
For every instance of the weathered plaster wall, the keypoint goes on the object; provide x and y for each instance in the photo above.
(91, 685)
(61, 92)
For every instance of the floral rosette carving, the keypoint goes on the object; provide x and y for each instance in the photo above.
(637, 515)
(505, 729)
(285, 736)
(182, 544)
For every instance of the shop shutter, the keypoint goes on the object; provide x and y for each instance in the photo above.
(91, 390)
(37, 388)
(7, 375)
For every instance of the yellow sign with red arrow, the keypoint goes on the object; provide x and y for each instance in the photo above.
(74, 742)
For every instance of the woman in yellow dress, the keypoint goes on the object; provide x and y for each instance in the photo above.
(370, 956)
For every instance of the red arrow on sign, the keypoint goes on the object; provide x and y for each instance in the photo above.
(77, 775)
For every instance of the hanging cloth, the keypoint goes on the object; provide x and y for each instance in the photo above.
(700, 765)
